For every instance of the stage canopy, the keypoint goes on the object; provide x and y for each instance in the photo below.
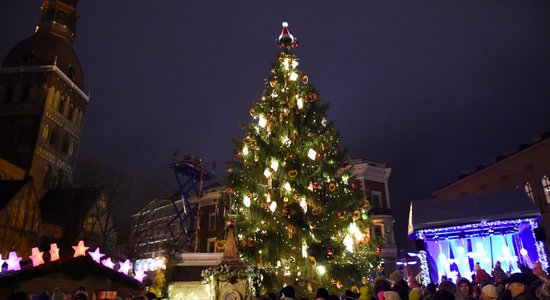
(503, 205)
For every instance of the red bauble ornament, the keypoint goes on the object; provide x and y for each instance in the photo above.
(287, 212)
(316, 185)
(354, 185)
(313, 225)
(250, 243)
(340, 215)
(238, 154)
(330, 251)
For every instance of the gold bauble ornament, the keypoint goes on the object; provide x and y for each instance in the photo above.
(312, 261)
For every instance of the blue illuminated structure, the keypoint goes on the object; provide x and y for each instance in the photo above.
(190, 174)
(458, 232)
(512, 242)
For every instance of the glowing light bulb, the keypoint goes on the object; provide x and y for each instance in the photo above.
(273, 206)
(293, 76)
(274, 165)
(246, 201)
(245, 150)
(287, 187)
(267, 173)
(312, 154)
(299, 102)
(262, 121)
(321, 270)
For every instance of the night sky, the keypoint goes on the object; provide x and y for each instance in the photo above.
(428, 87)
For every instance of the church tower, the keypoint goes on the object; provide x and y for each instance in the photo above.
(42, 103)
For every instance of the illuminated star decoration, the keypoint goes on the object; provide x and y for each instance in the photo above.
(36, 257)
(80, 249)
(125, 266)
(1, 263)
(140, 274)
(108, 263)
(13, 262)
(96, 255)
(54, 252)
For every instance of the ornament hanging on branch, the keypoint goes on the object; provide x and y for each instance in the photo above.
(291, 230)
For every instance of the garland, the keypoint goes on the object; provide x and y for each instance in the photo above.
(224, 273)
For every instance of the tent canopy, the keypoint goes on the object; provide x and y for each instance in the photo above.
(502, 205)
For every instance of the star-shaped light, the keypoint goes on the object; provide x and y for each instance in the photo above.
(125, 266)
(13, 262)
(108, 263)
(1, 263)
(140, 274)
(36, 257)
(54, 252)
(96, 255)
(80, 249)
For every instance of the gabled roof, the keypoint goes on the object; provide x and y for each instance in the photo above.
(8, 190)
(443, 212)
(67, 207)
(76, 268)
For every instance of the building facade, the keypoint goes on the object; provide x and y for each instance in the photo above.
(374, 182)
(527, 168)
(42, 104)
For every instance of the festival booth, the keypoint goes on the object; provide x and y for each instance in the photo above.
(452, 234)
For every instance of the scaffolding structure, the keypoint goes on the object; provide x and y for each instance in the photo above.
(190, 174)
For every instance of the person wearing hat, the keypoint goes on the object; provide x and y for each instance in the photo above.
(488, 292)
(519, 285)
(287, 293)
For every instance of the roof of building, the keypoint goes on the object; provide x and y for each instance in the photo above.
(443, 212)
(8, 190)
(464, 174)
(67, 207)
(76, 268)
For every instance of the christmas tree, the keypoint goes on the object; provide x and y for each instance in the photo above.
(300, 215)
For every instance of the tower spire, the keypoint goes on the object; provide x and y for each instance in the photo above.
(58, 17)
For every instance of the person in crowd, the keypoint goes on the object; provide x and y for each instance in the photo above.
(392, 295)
(150, 296)
(287, 293)
(543, 291)
(415, 294)
(519, 285)
(540, 273)
(349, 295)
(21, 295)
(464, 288)
(444, 295)
(481, 275)
(58, 294)
(488, 292)
(364, 290)
(498, 273)
(322, 294)
(429, 292)
(399, 285)
(447, 286)
(381, 285)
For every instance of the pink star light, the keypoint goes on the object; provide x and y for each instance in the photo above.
(125, 266)
(36, 257)
(80, 249)
(108, 263)
(96, 255)
(140, 274)
(13, 262)
(1, 263)
(54, 252)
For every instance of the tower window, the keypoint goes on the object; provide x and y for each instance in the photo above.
(53, 137)
(61, 108)
(546, 188)
(65, 146)
(376, 199)
(46, 132)
(528, 190)
(212, 221)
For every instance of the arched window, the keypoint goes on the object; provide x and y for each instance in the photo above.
(56, 100)
(46, 132)
(528, 190)
(50, 97)
(546, 187)
(61, 108)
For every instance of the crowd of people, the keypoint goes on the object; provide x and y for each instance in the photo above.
(529, 284)
(80, 294)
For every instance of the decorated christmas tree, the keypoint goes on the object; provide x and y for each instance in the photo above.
(300, 215)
